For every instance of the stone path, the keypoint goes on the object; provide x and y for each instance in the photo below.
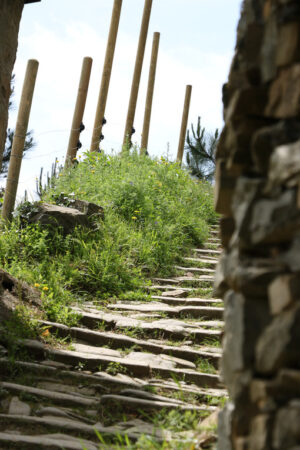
(128, 365)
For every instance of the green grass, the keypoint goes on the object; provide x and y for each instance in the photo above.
(153, 210)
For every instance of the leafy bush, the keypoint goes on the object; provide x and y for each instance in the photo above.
(153, 212)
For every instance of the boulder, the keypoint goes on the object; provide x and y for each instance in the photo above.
(60, 217)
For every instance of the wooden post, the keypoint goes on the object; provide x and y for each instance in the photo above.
(79, 109)
(137, 73)
(19, 140)
(106, 75)
(184, 122)
(150, 91)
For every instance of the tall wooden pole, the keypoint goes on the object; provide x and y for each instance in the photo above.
(79, 109)
(137, 73)
(184, 122)
(150, 91)
(106, 75)
(19, 139)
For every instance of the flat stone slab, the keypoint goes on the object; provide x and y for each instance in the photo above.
(189, 278)
(163, 365)
(81, 391)
(205, 260)
(57, 397)
(194, 269)
(135, 403)
(166, 361)
(58, 423)
(18, 407)
(59, 412)
(168, 287)
(121, 341)
(186, 301)
(46, 442)
(176, 292)
(204, 250)
(165, 280)
(82, 348)
(169, 327)
(194, 311)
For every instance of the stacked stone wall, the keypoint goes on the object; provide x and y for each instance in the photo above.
(10, 15)
(258, 194)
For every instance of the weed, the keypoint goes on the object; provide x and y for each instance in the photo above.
(205, 366)
(114, 368)
(211, 342)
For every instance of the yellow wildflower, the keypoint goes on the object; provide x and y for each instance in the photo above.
(134, 218)
(36, 285)
(46, 333)
(45, 288)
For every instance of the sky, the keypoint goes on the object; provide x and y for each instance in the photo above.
(196, 47)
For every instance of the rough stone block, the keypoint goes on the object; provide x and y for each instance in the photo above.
(224, 427)
(288, 49)
(285, 166)
(60, 216)
(283, 291)
(240, 339)
(278, 346)
(226, 230)
(247, 102)
(268, 50)
(275, 221)
(246, 192)
(224, 188)
(267, 138)
(286, 427)
(16, 407)
(246, 275)
(291, 257)
(284, 94)
(260, 433)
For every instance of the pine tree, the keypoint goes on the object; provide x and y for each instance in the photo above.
(200, 152)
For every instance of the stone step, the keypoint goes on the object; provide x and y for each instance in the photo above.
(202, 393)
(211, 312)
(56, 397)
(74, 427)
(134, 404)
(189, 301)
(206, 260)
(169, 287)
(195, 269)
(46, 441)
(206, 251)
(180, 281)
(123, 342)
(166, 328)
(102, 381)
(136, 363)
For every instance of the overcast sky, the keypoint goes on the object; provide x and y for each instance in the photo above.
(196, 47)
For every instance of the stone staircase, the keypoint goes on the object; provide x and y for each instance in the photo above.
(126, 367)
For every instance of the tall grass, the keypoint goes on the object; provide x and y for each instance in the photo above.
(154, 211)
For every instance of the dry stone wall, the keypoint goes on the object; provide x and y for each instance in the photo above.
(10, 15)
(258, 195)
